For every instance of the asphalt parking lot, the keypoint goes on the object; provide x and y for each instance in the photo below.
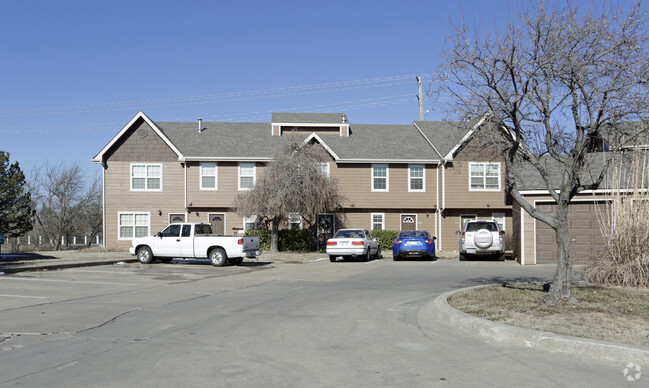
(281, 324)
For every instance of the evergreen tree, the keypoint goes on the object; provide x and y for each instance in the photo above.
(16, 212)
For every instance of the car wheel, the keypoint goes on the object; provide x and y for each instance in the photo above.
(462, 256)
(144, 255)
(379, 255)
(367, 256)
(332, 258)
(218, 258)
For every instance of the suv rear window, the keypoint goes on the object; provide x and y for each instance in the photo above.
(475, 226)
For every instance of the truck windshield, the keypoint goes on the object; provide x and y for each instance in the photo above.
(203, 229)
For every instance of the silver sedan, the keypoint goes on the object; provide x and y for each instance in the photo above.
(353, 243)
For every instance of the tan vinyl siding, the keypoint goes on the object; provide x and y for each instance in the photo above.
(227, 184)
(355, 181)
(392, 221)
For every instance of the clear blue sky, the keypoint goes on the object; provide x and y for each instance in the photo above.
(74, 72)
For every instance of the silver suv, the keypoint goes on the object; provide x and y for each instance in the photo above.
(482, 237)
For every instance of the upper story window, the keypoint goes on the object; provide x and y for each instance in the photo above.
(133, 225)
(246, 176)
(416, 178)
(324, 169)
(208, 176)
(380, 177)
(146, 177)
(484, 176)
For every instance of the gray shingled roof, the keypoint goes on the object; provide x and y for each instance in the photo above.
(445, 134)
(308, 118)
(254, 140)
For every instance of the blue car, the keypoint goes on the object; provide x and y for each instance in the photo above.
(413, 243)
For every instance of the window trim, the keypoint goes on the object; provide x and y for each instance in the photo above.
(372, 221)
(288, 221)
(146, 181)
(250, 219)
(502, 215)
(254, 176)
(216, 177)
(386, 177)
(326, 170)
(484, 176)
(423, 179)
(134, 213)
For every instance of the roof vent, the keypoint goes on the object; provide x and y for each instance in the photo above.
(200, 125)
(344, 118)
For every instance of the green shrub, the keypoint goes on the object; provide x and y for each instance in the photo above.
(386, 237)
(288, 239)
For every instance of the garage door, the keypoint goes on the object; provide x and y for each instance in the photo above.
(584, 230)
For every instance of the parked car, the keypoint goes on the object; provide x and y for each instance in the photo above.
(413, 243)
(480, 238)
(350, 243)
(194, 241)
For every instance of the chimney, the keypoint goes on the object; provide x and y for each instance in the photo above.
(200, 125)
(344, 118)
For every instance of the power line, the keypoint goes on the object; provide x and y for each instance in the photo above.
(221, 97)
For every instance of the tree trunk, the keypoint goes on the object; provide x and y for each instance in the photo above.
(560, 290)
(274, 235)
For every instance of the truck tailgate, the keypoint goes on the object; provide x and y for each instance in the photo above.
(251, 243)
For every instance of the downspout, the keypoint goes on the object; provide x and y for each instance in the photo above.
(103, 203)
(186, 209)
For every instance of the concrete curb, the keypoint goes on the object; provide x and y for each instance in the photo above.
(528, 338)
(61, 265)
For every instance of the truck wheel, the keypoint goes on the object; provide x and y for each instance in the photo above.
(218, 258)
(237, 261)
(462, 256)
(501, 257)
(166, 260)
(332, 258)
(144, 255)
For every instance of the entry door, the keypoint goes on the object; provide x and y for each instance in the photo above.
(408, 222)
(217, 221)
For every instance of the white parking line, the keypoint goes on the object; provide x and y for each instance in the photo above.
(22, 296)
(66, 281)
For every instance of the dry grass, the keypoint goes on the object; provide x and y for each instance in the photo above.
(624, 223)
(605, 313)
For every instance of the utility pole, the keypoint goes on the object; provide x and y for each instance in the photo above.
(420, 97)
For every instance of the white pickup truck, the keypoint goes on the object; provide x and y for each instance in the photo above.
(194, 241)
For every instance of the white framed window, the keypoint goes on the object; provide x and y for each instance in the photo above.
(416, 178)
(250, 222)
(378, 221)
(209, 176)
(295, 221)
(246, 176)
(324, 169)
(500, 219)
(146, 177)
(133, 224)
(380, 177)
(484, 176)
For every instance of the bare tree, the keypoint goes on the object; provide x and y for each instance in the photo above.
(294, 182)
(62, 201)
(558, 80)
